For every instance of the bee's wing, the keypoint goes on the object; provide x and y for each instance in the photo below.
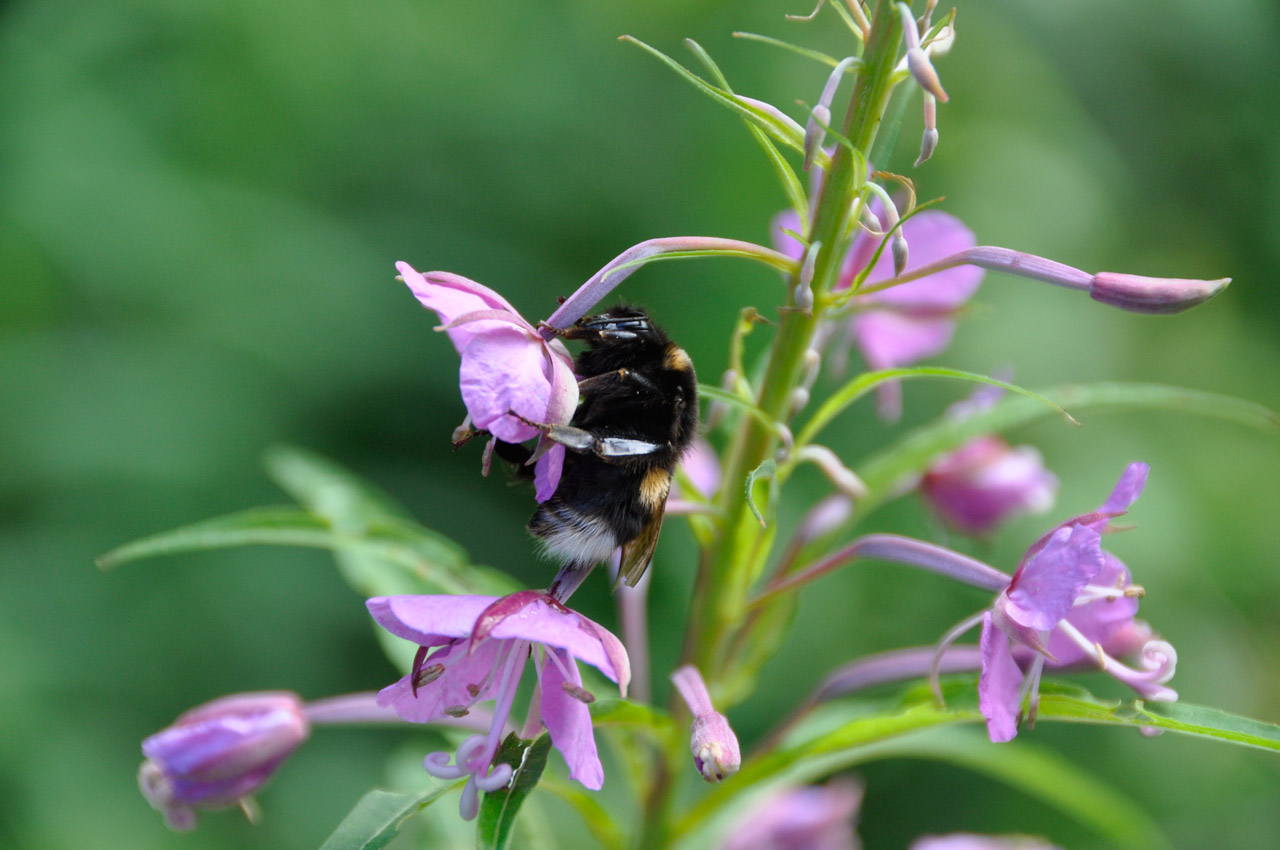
(637, 554)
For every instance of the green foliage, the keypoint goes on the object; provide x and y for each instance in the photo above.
(498, 809)
(379, 817)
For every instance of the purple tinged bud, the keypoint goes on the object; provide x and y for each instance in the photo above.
(217, 754)
(844, 478)
(928, 139)
(715, 749)
(1155, 295)
(917, 59)
(804, 285)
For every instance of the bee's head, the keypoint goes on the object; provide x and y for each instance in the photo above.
(621, 323)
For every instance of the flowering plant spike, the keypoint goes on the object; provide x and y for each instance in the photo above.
(874, 282)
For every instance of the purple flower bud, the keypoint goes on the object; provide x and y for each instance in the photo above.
(1155, 295)
(713, 743)
(217, 754)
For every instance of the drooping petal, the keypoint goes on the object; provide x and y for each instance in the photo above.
(1127, 490)
(546, 473)
(464, 679)
(451, 296)
(1044, 588)
(428, 620)
(506, 369)
(999, 684)
(568, 720)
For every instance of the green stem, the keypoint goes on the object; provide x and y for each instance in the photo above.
(740, 552)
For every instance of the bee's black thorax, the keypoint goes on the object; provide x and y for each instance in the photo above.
(636, 385)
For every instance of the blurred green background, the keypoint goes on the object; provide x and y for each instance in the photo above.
(200, 205)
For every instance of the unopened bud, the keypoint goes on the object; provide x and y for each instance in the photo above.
(898, 245)
(216, 755)
(820, 118)
(804, 286)
(917, 59)
(714, 745)
(1155, 295)
(929, 138)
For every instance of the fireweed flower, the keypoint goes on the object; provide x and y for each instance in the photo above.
(714, 745)
(986, 482)
(1070, 595)
(810, 817)
(507, 365)
(904, 324)
(218, 754)
(474, 648)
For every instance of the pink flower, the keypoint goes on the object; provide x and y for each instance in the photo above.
(810, 817)
(474, 648)
(907, 323)
(507, 365)
(1070, 595)
(218, 754)
(985, 482)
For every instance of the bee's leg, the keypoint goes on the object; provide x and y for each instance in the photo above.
(606, 448)
(618, 378)
(588, 333)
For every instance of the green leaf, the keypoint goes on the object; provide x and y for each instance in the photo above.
(808, 755)
(417, 561)
(378, 818)
(867, 381)
(816, 55)
(328, 489)
(498, 810)
(599, 822)
(786, 174)
(1179, 717)
(790, 136)
(766, 472)
(918, 448)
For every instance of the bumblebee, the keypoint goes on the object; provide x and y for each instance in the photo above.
(637, 414)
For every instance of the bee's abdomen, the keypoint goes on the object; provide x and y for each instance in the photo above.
(572, 535)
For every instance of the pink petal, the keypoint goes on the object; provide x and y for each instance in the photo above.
(466, 679)
(1044, 588)
(999, 684)
(451, 296)
(428, 620)
(932, 236)
(505, 369)
(1102, 622)
(567, 630)
(1127, 489)
(569, 722)
(985, 482)
(546, 473)
(784, 242)
(888, 339)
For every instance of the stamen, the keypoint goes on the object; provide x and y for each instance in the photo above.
(580, 694)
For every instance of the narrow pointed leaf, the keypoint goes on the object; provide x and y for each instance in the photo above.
(378, 818)
(498, 810)
(918, 448)
(771, 125)
(855, 389)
